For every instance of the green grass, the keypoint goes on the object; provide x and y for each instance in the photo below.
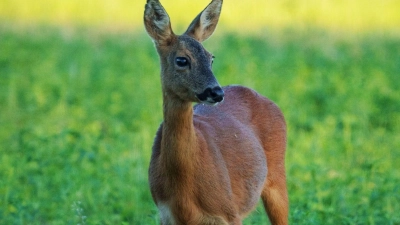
(79, 110)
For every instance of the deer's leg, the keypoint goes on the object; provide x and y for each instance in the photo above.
(274, 196)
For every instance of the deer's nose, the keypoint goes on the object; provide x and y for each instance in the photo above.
(212, 95)
(217, 94)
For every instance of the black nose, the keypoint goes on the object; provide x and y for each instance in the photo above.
(213, 95)
(217, 94)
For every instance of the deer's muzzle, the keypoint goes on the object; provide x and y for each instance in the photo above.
(211, 95)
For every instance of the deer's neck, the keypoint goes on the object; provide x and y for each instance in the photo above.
(178, 142)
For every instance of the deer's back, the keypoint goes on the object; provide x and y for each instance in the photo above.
(242, 108)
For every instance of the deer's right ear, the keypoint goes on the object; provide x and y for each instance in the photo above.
(157, 23)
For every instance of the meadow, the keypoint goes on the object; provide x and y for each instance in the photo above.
(80, 104)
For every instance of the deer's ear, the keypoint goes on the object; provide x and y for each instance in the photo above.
(205, 23)
(157, 23)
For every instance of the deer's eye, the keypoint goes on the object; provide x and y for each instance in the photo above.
(181, 61)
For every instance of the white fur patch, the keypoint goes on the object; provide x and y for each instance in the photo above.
(165, 214)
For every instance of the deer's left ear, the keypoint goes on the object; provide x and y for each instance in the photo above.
(205, 23)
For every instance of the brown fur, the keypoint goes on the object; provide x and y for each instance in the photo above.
(211, 164)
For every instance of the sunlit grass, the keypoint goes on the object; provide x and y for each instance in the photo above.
(238, 15)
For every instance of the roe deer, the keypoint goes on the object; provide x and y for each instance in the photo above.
(209, 162)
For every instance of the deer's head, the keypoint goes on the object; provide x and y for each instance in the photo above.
(185, 64)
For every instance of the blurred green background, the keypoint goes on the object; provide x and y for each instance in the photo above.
(80, 102)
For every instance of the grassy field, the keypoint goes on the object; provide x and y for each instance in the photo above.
(79, 108)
